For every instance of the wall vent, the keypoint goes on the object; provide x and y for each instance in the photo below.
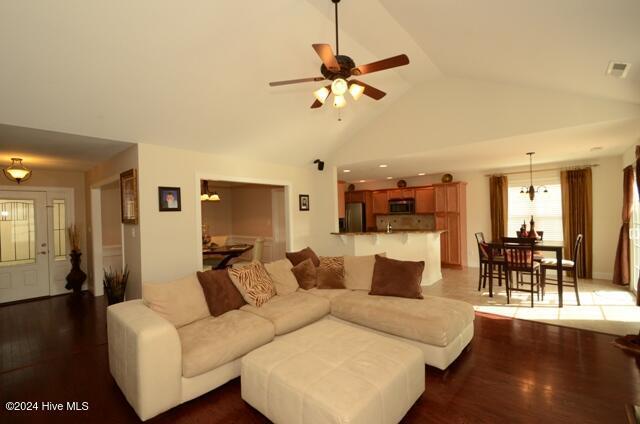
(618, 69)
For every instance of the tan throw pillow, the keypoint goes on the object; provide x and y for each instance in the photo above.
(330, 273)
(305, 273)
(253, 283)
(180, 302)
(392, 277)
(301, 255)
(358, 271)
(282, 277)
(219, 292)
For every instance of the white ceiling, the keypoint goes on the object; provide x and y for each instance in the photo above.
(195, 76)
(54, 150)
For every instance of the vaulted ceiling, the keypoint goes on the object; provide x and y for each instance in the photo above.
(194, 75)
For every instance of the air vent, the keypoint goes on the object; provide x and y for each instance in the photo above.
(618, 69)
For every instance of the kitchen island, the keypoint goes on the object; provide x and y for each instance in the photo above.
(418, 245)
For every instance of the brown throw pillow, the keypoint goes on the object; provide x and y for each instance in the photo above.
(305, 273)
(392, 277)
(219, 292)
(330, 273)
(296, 257)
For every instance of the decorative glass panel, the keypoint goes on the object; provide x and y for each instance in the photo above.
(59, 230)
(17, 232)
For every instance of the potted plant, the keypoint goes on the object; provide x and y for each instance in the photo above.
(115, 284)
(76, 276)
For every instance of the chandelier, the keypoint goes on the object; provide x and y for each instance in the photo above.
(17, 172)
(205, 195)
(531, 191)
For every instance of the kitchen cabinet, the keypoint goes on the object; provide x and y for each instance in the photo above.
(451, 216)
(355, 196)
(370, 219)
(341, 186)
(380, 200)
(408, 193)
(425, 200)
(394, 194)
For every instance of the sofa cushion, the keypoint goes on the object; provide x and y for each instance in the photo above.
(219, 292)
(214, 341)
(293, 311)
(327, 293)
(283, 279)
(301, 255)
(253, 283)
(330, 273)
(392, 277)
(180, 302)
(306, 274)
(432, 320)
(358, 271)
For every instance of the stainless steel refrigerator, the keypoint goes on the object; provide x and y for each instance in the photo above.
(355, 218)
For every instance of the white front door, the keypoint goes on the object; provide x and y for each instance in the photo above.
(24, 256)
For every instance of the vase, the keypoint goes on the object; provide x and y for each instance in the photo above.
(76, 276)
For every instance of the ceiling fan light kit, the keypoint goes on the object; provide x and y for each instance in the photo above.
(338, 69)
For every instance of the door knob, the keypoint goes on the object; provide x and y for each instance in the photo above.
(43, 252)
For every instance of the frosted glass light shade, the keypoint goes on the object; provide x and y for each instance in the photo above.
(321, 94)
(356, 91)
(339, 87)
(339, 102)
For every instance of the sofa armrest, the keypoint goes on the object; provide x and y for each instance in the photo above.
(145, 357)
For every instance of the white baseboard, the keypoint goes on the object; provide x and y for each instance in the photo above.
(603, 276)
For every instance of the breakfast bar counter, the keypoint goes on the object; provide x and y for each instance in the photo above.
(409, 245)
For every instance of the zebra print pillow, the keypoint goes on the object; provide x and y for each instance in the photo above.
(253, 283)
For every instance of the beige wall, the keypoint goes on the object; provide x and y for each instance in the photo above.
(175, 251)
(607, 204)
(111, 222)
(252, 212)
(217, 215)
(96, 177)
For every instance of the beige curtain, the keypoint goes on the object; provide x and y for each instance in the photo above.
(498, 202)
(622, 266)
(577, 216)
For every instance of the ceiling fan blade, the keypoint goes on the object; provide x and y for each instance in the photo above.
(295, 81)
(316, 104)
(381, 65)
(327, 56)
(370, 91)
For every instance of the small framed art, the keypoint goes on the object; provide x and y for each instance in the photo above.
(303, 201)
(169, 199)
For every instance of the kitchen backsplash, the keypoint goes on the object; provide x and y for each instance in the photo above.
(406, 222)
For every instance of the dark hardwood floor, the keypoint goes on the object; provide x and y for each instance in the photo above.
(515, 372)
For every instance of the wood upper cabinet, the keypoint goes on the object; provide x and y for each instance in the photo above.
(425, 200)
(370, 219)
(440, 198)
(355, 196)
(341, 202)
(408, 193)
(380, 200)
(394, 194)
(453, 197)
(451, 216)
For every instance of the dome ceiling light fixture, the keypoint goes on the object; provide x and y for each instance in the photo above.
(338, 69)
(531, 191)
(17, 172)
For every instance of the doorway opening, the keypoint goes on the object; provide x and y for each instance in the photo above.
(242, 222)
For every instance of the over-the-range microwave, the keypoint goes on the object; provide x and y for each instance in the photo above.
(402, 206)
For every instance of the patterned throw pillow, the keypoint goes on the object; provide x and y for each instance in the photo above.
(254, 283)
(330, 273)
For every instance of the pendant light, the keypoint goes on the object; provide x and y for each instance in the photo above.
(17, 172)
(205, 195)
(531, 191)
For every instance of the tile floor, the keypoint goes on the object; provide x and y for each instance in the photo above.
(605, 308)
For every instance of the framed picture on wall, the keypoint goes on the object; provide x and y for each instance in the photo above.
(304, 202)
(169, 199)
(129, 196)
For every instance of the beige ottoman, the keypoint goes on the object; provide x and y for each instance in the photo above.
(329, 372)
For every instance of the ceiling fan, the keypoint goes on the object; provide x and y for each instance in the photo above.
(339, 69)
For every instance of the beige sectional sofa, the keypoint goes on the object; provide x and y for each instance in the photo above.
(159, 366)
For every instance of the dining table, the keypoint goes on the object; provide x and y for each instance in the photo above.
(228, 252)
(555, 247)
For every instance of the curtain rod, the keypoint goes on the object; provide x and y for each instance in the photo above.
(566, 168)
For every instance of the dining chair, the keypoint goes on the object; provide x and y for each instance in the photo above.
(570, 265)
(518, 256)
(487, 255)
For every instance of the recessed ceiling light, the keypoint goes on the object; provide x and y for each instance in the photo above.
(361, 181)
(596, 149)
(346, 170)
(384, 165)
(389, 178)
(422, 173)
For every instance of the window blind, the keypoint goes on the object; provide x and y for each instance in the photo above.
(546, 208)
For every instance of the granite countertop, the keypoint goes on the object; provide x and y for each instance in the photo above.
(375, 233)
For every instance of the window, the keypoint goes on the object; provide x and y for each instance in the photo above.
(59, 230)
(17, 232)
(634, 235)
(546, 208)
